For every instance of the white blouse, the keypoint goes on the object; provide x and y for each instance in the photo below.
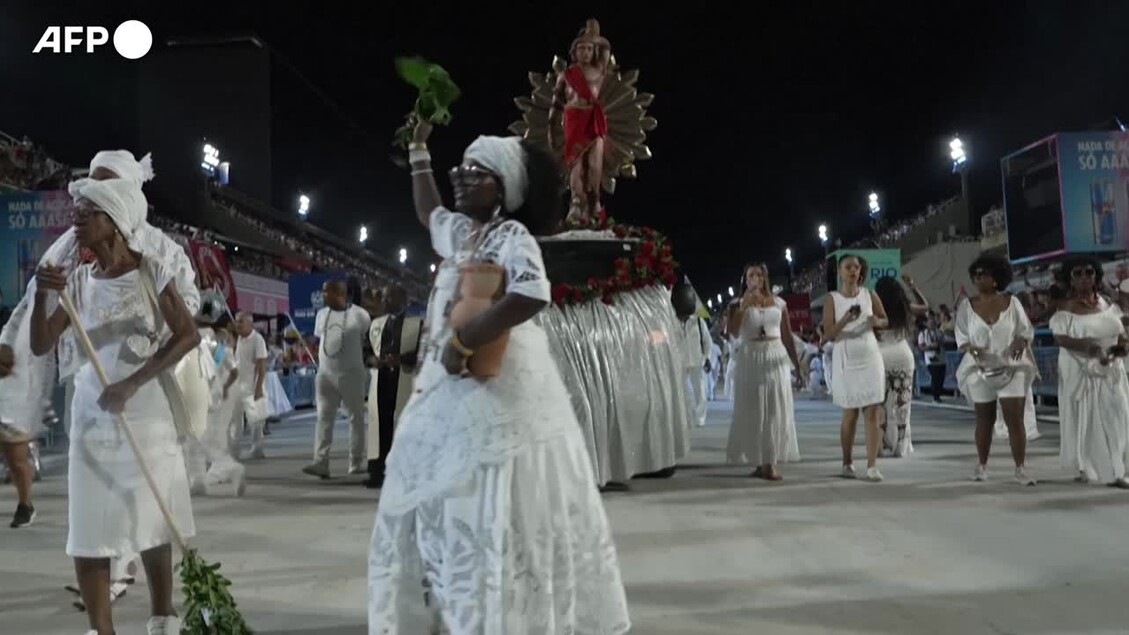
(995, 338)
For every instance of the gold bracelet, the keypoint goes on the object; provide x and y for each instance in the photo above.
(417, 145)
(458, 345)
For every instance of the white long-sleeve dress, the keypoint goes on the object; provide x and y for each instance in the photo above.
(1094, 399)
(113, 512)
(763, 428)
(490, 512)
(858, 375)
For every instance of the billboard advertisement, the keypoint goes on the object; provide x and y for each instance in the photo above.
(259, 295)
(799, 310)
(34, 220)
(1094, 186)
(879, 264)
(306, 297)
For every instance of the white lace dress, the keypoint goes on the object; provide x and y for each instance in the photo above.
(112, 510)
(490, 516)
(900, 364)
(763, 429)
(858, 374)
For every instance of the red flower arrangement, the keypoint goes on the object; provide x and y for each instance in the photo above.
(652, 264)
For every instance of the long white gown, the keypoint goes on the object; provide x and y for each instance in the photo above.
(858, 376)
(1094, 399)
(112, 511)
(490, 512)
(763, 428)
(900, 364)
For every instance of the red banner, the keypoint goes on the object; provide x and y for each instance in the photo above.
(212, 271)
(799, 310)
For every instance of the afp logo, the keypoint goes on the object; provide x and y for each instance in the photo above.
(132, 39)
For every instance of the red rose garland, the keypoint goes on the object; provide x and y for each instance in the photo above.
(652, 264)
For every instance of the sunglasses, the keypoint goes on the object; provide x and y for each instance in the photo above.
(1082, 272)
(470, 175)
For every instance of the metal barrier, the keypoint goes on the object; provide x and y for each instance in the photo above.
(298, 383)
(1046, 359)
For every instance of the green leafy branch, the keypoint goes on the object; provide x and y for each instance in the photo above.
(436, 94)
(209, 608)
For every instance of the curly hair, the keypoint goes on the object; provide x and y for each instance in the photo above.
(544, 197)
(1063, 276)
(996, 266)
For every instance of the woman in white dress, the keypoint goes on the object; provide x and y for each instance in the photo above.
(763, 428)
(489, 512)
(137, 336)
(1094, 393)
(858, 376)
(899, 361)
(993, 331)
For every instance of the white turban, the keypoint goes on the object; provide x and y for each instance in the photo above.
(505, 157)
(122, 200)
(122, 163)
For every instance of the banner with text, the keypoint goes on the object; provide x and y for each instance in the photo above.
(212, 271)
(879, 264)
(35, 220)
(799, 310)
(1094, 185)
(306, 297)
(259, 295)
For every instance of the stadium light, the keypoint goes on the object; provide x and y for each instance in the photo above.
(433, 267)
(709, 303)
(303, 205)
(823, 234)
(211, 159)
(872, 204)
(956, 151)
(363, 234)
(731, 294)
(403, 256)
(788, 254)
(719, 300)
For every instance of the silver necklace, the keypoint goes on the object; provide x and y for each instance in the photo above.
(340, 330)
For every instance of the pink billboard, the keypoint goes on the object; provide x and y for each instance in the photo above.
(264, 296)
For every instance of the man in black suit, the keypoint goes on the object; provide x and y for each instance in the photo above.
(395, 342)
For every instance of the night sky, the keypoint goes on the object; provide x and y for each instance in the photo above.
(771, 119)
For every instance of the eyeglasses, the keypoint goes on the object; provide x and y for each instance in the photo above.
(1082, 272)
(85, 211)
(470, 175)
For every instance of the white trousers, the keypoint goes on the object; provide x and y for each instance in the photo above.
(711, 383)
(237, 396)
(695, 382)
(333, 391)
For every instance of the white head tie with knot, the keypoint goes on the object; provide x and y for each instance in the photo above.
(122, 163)
(505, 157)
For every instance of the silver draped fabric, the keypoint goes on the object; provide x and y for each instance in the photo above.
(623, 368)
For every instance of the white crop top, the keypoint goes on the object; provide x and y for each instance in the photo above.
(763, 322)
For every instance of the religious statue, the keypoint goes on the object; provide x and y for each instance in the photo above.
(591, 114)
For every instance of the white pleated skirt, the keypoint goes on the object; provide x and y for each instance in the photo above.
(523, 546)
(763, 430)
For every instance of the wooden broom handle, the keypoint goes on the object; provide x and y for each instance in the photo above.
(91, 354)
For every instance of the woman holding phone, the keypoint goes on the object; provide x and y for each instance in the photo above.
(858, 375)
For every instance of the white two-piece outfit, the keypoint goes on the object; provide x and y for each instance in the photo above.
(901, 367)
(1093, 399)
(763, 429)
(248, 352)
(695, 352)
(340, 382)
(490, 509)
(858, 374)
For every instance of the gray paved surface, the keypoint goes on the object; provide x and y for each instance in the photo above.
(709, 551)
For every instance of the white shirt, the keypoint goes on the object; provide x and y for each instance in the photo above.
(696, 342)
(341, 336)
(249, 350)
(927, 341)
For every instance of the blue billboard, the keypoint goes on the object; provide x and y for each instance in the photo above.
(306, 298)
(33, 221)
(1094, 187)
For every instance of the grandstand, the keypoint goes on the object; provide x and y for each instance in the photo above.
(257, 239)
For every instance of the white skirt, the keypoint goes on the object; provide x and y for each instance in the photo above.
(522, 546)
(858, 376)
(278, 403)
(111, 508)
(763, 430)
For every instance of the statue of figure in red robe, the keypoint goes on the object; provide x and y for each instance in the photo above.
(577, 96)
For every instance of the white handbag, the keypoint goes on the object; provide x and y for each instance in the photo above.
(256, 410)
(184, 386)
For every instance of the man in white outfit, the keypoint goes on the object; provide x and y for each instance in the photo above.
(245, 387)
(713, 371)
(341, 329)
(695, 350)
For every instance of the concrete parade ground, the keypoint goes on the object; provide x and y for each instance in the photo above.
(709, 551)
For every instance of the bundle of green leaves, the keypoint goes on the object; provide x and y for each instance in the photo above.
(209, 608)
(436, 94)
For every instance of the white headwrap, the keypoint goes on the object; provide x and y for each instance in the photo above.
(505, 157)
(122, 163)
